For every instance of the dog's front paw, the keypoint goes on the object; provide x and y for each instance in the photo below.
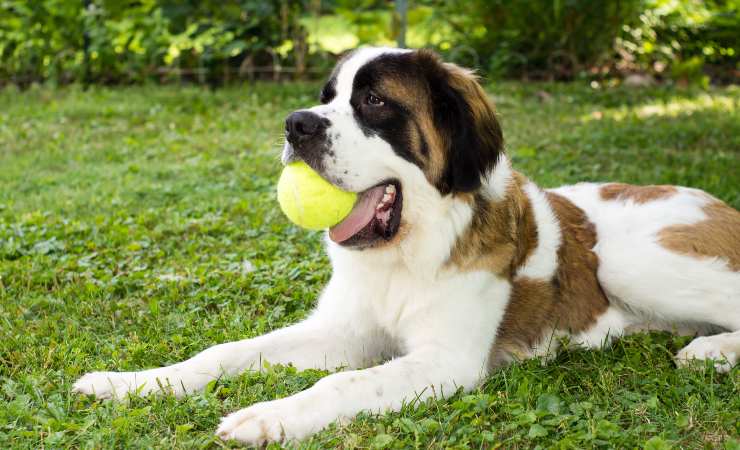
(276, 421)
(105, 384)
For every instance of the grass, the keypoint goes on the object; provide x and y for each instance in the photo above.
(138, 226)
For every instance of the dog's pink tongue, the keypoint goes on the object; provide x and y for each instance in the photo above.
(361, 215)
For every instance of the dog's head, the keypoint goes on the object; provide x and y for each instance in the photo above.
(393, 123)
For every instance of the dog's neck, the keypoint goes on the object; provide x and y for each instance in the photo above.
(502, 230)
(448, 231)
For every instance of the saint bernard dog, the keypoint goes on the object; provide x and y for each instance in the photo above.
(453, 264)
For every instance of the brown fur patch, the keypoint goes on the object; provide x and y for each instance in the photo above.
(436, 145)
(501, 235)
(716, 237)
(638, 194)
(572, 301)
(581, 298)
(525, 321)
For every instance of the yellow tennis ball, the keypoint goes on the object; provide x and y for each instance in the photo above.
(309, 200)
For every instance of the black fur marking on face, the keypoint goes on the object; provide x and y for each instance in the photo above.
(329, 91)
(392, 122)
(424, 147)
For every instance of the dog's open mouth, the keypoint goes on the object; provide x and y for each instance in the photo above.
(376, 215)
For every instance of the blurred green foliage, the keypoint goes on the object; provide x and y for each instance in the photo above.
(536, 38)
(113, 41)
(687, 40)
(131, 41)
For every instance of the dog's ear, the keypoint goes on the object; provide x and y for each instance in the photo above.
(466, 120)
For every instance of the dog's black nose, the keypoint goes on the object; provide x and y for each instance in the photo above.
(303, 124)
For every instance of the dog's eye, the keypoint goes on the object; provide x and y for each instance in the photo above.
(373, 100)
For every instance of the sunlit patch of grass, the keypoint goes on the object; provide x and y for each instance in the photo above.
(138, 226)
(676, 107)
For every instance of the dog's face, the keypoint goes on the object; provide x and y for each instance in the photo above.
(393, 122)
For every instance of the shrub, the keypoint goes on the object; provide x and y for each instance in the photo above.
(110, 41)
(539, 38)
(686, 40)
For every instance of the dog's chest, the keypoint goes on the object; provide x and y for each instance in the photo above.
(413, 305)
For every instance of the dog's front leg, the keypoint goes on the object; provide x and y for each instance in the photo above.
(448, 345)
(342, 395)
(326, 340)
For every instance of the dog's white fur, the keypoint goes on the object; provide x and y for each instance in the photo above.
(543, 263)
(430, 328)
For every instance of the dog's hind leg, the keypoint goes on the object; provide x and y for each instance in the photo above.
(722, 349)
(668, 288)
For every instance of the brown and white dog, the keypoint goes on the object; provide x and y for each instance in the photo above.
(452, 264)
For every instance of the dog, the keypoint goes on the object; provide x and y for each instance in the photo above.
(452, 264)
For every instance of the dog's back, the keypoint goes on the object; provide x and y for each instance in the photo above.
(668, 255)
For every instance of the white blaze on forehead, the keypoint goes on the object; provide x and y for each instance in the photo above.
(346, 75)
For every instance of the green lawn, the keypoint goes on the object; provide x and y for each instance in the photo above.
(138, 226)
